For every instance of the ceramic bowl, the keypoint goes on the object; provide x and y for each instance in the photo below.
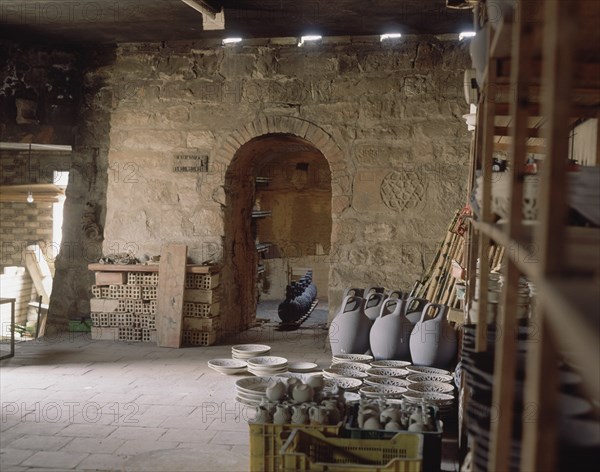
(351, 358)
(382, 391)
(253, 385)
(387, 372)
(391, 363)
(302, 366)
(392, 381)
(227, 364)
(267, 361)
(430, 397)
(351, 365)
(421, 369)
(354, 373)
(347, 383)
(429, 378)
(433, 387)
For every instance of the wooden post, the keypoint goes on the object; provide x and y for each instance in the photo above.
(171, 286)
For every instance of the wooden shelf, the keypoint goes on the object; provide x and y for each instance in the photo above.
(260, 269)
(35, 147)
(190, 268)
(262, 180)
(41, 193)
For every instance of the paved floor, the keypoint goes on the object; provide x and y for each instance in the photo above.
(71, 403)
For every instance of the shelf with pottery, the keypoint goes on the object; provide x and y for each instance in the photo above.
(530, 57)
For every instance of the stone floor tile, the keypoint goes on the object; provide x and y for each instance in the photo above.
(230, 437)
(134, 432)
(157, 399)
(94, 445)
(102, 462)
(205, 447)
(58, 459)
(32, 427)
(187, 436)
(40, 443)
(185, 423)
(134, 447)
(13, 456)
(90, 430)
(169, 410)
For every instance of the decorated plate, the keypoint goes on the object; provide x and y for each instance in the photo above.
(227, 364)
(387, 372)
(393, 364)
(347, 383)
(351, 365)
(429, 378)
(434, 387)
(381, 390)
(391, 381)
(354, 373)
(351, 358)
(267, 361)
(421, 369)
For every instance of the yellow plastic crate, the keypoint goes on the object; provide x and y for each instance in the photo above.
(266, 441)
(311, 451)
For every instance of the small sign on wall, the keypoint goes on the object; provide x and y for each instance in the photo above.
(190, 163)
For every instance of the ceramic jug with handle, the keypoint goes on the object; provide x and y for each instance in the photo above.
(396, 294)
(353, 291)
(349, 330)
(373, 305)
(389, 337)
(413, 308)
(433, 342)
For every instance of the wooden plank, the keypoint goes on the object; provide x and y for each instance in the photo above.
(505, 356)
(111, 278)
(171, 286)
(540, 399)
(190, 268)
(486, 211)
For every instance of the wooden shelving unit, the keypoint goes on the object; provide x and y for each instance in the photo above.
(542, 75)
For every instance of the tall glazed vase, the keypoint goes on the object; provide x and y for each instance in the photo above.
(391, 331)
(433, 342)
(349, 330)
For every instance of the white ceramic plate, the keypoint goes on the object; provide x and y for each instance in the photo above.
(387, 372)
(392, 381)
(393, 364)
(250, 348)
(421, 369)
(429, 378)
(253, 384)
(267, 361)
(302, 366)
(246, 401)
(229, 371)
(227, 364)
(351, 358)
(433, 387)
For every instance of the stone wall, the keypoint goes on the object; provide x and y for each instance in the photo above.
(54, 95)
(387, 117)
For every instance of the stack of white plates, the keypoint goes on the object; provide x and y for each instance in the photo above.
(444, 401)
(267, 365)
(228, 366)
(246, 351)
(252, 390)
(351, 358)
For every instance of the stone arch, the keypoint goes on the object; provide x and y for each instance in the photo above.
(235, 318)
(340, 175)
